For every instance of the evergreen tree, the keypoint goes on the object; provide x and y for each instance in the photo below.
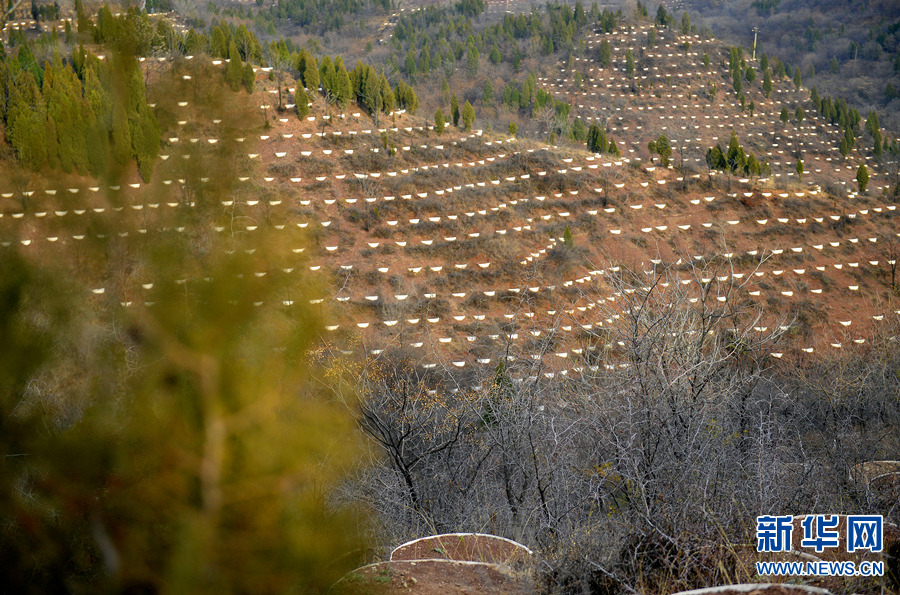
(454, 110)
(439, 123)
(372, 95)
(473, 60)
(750, 75)
(800, 168)
(410, 63)
(862, 177)
(664, 150)
(301, 99)
(512, 129)
(445, 91)
(424, 61)
(685, 23)
(468, 116)
(753, 167)
(613, 149)
(487, 97)
(844, 146)
(52, 144)
(234, 69)
(579, 130)
(326, 75)
(218, 43)
(387, 97)
(248, 78)
(629, 63)
(310, 72)
(343, 90)
(784, 117)
(98, 148)
(605, 54)
(82, 21)
(495, 56)
(767, 84)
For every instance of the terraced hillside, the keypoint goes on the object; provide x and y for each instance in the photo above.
(464, 249)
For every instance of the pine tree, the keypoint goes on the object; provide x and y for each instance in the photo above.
(767, 84)
(439, 121)
(487, 97)
(512, 129)
(800, 168)
(629, 63)
(454, 110)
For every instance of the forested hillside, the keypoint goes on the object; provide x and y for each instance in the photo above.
(286, 285)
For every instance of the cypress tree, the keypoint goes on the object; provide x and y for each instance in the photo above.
(410, 100)
(302, 101)
(234, 68)
(454, 110)
(27, 136)
(488, 97)
(248, 77)
(439, 121)
(605, 56)
(343, 89)
(98, 148)
(862, 177)
(311, 75)
(326, 75)
(52, 144)
(468, 116)
(387, 97)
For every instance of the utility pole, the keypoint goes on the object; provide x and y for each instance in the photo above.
(755, 31)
